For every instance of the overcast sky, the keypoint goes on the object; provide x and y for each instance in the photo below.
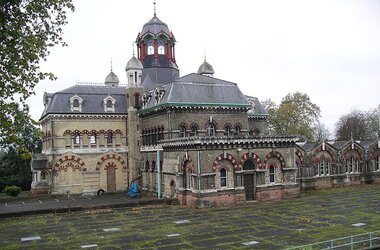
(328, 49)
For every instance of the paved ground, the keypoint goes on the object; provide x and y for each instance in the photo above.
(61, 204)
(315, 217)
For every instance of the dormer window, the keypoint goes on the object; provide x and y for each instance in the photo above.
(158, 94)
(109, 104)
(145, 100)
(76, 103)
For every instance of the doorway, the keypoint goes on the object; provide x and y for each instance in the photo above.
(249, 178)
(111, 178)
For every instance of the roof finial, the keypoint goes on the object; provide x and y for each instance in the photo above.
(111, 64)
(154, 4)
(204, 54)
(133, 48)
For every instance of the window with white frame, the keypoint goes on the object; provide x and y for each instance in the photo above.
(93, 138)
(182, 131)
(323, 167)
(352, 165)
(76, 103)
(227, 130)
(76, 139)
(194, 131)
(223, 178)
(271, 174)
(109, 104)
(210, 129)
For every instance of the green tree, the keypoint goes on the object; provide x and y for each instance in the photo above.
(28, 29)
(296, 115)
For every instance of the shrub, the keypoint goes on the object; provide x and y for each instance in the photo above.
(12, 190)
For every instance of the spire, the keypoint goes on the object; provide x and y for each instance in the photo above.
(154, 4)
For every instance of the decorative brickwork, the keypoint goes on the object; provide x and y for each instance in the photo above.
(62, 165)
(221, 157)
(110, 157)
(274, 154)
(253, 157)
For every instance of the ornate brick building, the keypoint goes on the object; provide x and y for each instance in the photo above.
(195, 137)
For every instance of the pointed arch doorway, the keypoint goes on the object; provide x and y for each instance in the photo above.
(249, 180)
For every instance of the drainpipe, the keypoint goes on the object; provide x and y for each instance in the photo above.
(169, 124)
(199, 169)
(158, 174)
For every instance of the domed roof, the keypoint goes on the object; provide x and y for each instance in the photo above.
(133, 63)
(206, 69)
(112, 79)
(155, 26)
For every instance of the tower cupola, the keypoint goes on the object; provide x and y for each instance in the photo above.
(206, 69)
(134, 71)
(155, 49)
(112, 80)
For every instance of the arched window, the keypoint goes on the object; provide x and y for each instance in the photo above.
(237, 130)
(161, 50)
(227, 130)
(271, 174)
(194, 130)
(76, 103)
(182, 131)
(223, 178)
(109, 138)
(93, 138)
(137, 100)
(109, 104)
(150, 50)
(210, 129)
(147, 166)
(76, 138)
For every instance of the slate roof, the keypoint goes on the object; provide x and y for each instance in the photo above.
(199, 90)
(155, 26)
(162, 62)
(111, 79)
(307, 146)
(133, 63)
(258, 108)
(206, 68)
(92, 96)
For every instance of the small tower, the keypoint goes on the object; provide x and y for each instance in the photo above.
(112, 80)
(206, 69)
(156, 50)
(133, 95)
(134, 71)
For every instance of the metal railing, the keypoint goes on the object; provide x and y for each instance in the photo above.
(369, 240)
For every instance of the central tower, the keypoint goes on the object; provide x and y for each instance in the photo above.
(155, 47)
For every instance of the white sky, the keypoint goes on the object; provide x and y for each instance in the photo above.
(328, 49)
